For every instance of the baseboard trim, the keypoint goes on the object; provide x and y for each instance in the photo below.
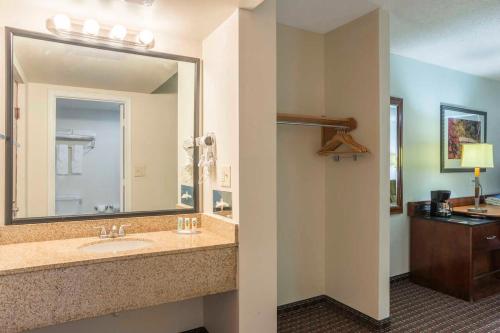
(339, 305)
(360, 315)
(400, 277)
(300, 304)
(197, 330)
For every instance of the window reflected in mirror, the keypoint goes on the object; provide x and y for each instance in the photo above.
(99, 131)
(396, 148)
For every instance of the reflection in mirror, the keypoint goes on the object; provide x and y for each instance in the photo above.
(100, 131)
(396, 148)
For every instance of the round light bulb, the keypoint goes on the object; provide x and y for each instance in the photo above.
(91, 27)
(146, 37)
(118, 32)
(62, 22)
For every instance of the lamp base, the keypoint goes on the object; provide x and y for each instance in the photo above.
(477, 210)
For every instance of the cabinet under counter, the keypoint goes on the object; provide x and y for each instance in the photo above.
(459, 256)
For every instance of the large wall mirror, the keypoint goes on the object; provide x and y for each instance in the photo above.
(97, 131)
(396, 155)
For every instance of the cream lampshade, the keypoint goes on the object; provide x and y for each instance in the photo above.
(477, 156)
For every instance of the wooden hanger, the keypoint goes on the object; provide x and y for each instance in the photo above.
(342, 138)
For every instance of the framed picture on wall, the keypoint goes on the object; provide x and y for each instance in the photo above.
(459, 126)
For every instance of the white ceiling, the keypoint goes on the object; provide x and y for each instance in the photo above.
(76, 66)
(457, 34)
(321, 16)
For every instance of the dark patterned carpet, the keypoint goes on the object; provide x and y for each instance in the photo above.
(413, 309)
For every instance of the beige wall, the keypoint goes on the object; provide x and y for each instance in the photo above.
(220, 115)
(357, 220)
(153, 129)
(257, 170)
(220, 103)
(301, 172)
(240, 107)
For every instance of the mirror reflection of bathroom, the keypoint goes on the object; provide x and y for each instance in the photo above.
(223, 203)
(89, 157)
(100, 132)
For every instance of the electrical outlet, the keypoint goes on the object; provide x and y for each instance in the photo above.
(140, 171)
(225, 176)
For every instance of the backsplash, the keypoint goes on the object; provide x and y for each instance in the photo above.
(75, 229)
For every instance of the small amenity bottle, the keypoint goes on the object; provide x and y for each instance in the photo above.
(180, 223)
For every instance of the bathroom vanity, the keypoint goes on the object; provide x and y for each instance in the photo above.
(88, 173)
(48, 276)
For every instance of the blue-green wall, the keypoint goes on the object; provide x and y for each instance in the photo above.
(424, 87)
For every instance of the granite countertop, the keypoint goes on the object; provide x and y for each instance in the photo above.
(461, 219)
(36, 256)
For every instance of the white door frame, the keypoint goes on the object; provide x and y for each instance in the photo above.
(126, 132)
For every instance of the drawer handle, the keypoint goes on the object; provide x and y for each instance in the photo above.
(491, 237)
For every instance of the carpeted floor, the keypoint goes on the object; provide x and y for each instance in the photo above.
(413, 309)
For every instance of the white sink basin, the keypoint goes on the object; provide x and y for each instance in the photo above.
(116, 245)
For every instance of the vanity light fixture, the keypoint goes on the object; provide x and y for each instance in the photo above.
(91, 30)
(147, 3)
(91, 27)
(145, 37)
(62, 22)
(118, 32)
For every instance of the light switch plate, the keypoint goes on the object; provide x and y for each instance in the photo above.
(225, 176)
(140, 171)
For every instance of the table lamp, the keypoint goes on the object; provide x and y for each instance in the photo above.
(477, 156)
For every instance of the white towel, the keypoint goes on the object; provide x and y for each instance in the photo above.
(77, 160)
(62, 160)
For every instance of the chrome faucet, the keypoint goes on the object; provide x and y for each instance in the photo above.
(121, 231)
(114, 232)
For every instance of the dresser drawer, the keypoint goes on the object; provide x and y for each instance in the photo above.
(486, 237)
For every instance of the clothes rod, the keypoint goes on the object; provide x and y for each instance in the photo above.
(346, 124)
(74, 138)
(312, 125)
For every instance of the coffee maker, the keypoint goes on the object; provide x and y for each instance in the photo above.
(439, 203)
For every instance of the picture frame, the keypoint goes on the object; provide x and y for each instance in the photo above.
(458, 126)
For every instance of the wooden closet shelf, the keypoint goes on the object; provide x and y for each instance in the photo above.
(334, 133)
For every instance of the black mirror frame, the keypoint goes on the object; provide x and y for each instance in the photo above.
(9, 105)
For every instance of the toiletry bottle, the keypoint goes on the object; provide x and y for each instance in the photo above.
(188, 223)
(194, 223)
(180, 222)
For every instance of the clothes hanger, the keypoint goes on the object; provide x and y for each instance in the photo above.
(342, 138)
